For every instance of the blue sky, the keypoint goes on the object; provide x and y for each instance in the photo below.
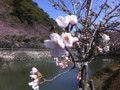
(47, 7)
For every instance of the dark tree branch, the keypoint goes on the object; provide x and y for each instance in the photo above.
(73, 60)
(114, 9)
(100, 11)
(73, 6)
(110, 18)
(63, 3)
(91, 85)
(81, 8)
(63, 8)
(45, 80)
(111, 30)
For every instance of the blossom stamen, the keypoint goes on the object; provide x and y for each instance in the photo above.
(67, 38)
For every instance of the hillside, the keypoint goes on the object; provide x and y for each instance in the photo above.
(108, 78)
(23, 24)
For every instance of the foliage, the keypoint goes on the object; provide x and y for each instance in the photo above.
(45, 38)
(28, 12)
(104, 77)
(22, 17)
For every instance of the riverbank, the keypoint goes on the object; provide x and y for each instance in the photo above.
(108, 78)
(23, 54)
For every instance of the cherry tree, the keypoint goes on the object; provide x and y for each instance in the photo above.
(90, 20)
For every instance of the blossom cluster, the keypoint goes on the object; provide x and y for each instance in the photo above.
(58, 43)
(63, 63)
(105, 39)
(78, 76)
(35, 76)
(63, 22)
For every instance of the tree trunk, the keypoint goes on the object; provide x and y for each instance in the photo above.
(84, 75)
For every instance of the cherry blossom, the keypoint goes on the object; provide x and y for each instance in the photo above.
(62, 21)
(72, 19)
(34, 85)
(106, 48)
(79, 76)
(68, 39)
(34, 70)
(100, 50)
(63, 64)
(78, 4)
(35, 76)
(105, 38)
(101, 20)
(35, 81)
(57, 63)
(118, 10)
(56, 45)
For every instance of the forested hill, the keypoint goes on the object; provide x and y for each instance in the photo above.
(27, 11)
(22, 21)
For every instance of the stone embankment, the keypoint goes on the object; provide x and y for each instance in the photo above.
(23, 55)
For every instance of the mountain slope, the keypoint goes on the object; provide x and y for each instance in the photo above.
(23, 22)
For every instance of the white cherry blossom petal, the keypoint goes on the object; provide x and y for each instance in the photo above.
(33, 76)
(106, 48)
(35, 86)
(34, 70)
(62, 22)
(56, 45)
(100, 50)
(73, 20)
(57, 52)
(61, 44)
(105, 38)
(49, 43)
(30, 83)
(54, 36)
(36, 81)
(67, 39)
(75, 39)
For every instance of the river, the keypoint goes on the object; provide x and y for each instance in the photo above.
(15, 75)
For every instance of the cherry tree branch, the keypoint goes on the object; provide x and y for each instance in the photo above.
(100, 11)
(110, 18)
(73, 7)
(81, 8)
(96, 55)
(89, 4)
(112, 30)
(92, 39)
(113, 9)
(73, 60)
(63, 8)
(45, 80)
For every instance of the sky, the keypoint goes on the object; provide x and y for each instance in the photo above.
(47, 7)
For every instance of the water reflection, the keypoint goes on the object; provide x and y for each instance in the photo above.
(15, 75)
(99, 63)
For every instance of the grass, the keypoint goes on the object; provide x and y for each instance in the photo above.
(108, 78)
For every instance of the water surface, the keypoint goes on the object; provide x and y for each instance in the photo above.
(15, 75)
